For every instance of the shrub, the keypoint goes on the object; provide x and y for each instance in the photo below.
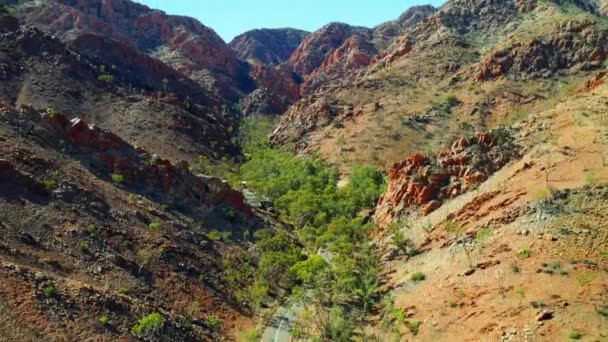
(104, 320)
(117, 178)
(418, 276)
(413, 326)
(250, 336)
(515, 268)
(83, 246)
(132, 198)
(92, 230)
(124, 290)
(50, 182)
(453, 303)
(156, 226)
(149, 325)
(213, 322)
(524, 253)
(50, 291)
(574, 335)
(214, 235)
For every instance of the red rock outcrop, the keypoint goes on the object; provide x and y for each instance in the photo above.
(422, 182)
(574, 45)
(108, 154)
(317, 46)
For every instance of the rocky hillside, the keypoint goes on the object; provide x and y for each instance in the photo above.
(110, 84)
(114, 233)
(468, 67)
(180, 42)
(267, 46)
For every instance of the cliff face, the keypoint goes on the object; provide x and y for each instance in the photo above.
(267, 46)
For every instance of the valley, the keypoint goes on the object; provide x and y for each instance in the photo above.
(442, 176)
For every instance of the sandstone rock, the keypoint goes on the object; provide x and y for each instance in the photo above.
(425, 182)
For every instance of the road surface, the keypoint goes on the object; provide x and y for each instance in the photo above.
(283, 320)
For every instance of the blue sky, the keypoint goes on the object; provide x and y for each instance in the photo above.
(232, 17)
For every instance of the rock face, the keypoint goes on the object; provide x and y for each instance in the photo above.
(423, 183)
(318, 45)
(575, 45)
(181, 42)
(267, 46)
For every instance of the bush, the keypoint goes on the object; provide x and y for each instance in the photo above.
(104, 320)
(574, 335)
(418, 276)
(524, 253)
(117, 178)
(413, 326)
(213, 322)
(156, 226)
(124, 290)
(50, 291)
(214, 235)
(250, 336)
(149, 325)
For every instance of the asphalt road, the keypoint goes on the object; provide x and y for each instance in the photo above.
(280, 326)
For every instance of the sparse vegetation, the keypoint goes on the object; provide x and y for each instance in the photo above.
(574, 335)
(413, 326)
(124, 290)
(117, 178)
(149, 325)
(104, 320)
(213, 322)
(49, 291)
(524, 253)
(155, 226)
(50, 181)
(417, 276)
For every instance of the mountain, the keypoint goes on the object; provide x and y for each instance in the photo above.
(181, 42)
(438, 177)
(267, 46)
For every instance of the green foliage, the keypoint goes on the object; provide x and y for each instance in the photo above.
(92, 230)
(574, 335)
(155, 226)
(253, 133)
(398, 238)
(132, 198)
(49, 291)
(83, 246)
(340, 328)
(104, 320)
(50, 181)
(515, 268)
(306, 270)
(149, 325)
(250, 336)
(524, 253)
(124, 290)
(117, 178)
(212, 322)
(413, 326)
(214, 235)
(104, 75)
(417, 276)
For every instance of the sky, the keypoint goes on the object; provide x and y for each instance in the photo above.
(230, 18)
